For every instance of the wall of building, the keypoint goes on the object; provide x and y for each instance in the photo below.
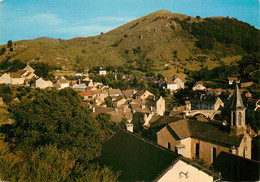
(182, 171)
(205, 150)
(245, 147)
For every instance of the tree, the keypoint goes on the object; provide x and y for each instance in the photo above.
(2, 51)
(55, 117)
(9, 44)
(198, 17)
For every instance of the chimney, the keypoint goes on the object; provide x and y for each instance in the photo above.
(79, 81)
(130, 127)
(94, 109)
(233, 150)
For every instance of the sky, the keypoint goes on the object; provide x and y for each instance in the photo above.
(29, 19)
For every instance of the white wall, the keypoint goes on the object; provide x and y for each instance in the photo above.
(192, 174)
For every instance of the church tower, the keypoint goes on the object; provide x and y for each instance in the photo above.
(237, 124)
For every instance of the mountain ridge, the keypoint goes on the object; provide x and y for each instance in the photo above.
(163, 38)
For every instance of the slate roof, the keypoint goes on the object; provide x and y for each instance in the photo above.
(128, 93)
(208, 132)
(114, 91)
(237, 102)
(164, 120)
(141, 92)
(139, 159)
(118, 98)
(237, 168)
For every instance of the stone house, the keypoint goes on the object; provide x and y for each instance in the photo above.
(99, 96)
(143, 94)
(194, 139)
(42, 84)
(198, 86)
(129, 94)
(87, 96)
(63, 83)
(142, 160)
(207, 103)
(102, 72)
(119, 101)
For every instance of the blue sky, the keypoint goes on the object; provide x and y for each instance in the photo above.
(28, 19)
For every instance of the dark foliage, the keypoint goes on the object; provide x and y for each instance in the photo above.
(226, 30)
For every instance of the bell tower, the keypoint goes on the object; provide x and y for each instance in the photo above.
(237, 119)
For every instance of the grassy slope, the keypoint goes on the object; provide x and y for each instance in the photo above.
(154, 34)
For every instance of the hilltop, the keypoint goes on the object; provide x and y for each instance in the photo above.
(162, 41)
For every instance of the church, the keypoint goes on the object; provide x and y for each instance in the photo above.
(204, 140)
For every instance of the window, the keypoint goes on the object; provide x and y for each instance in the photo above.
(239, 118)
(214, 154)
(234, 119)
(197, 154)
(169, 145)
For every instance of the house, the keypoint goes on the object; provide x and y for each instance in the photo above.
(143, 94)
(207, 103)
(128, 94)
(236, 168)
(13, 78)
(231, 80)
(42, 84)
(156, 106)
(194, 139)
(180, 83)
(79, 87)
(63, 83)
(117, 114)
(99, 96)
(139, 159)
(119, 101)
(198, 86)
(171, 85)
(87, 96)
(102, 72)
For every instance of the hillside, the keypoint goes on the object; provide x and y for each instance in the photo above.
(162, 41)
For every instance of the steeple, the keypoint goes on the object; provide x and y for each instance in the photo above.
(237, 102)
(237, 122)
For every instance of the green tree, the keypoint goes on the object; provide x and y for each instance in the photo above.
(9, 44)
(55, 117)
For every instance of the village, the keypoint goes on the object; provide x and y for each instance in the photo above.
(195, 130)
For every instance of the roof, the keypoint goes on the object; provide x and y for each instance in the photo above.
(62, 80)
(237, 102)
(170, 82)
(206, 131)
(138, 108)
(80, 86)
(138, 158)
(118, 98)
(85, 94)
(164, 120)
(233, 78)
(100, 109)
(128, 93)
(236, 168)
(114, 91)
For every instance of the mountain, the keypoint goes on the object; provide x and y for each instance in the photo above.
(162, 41)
